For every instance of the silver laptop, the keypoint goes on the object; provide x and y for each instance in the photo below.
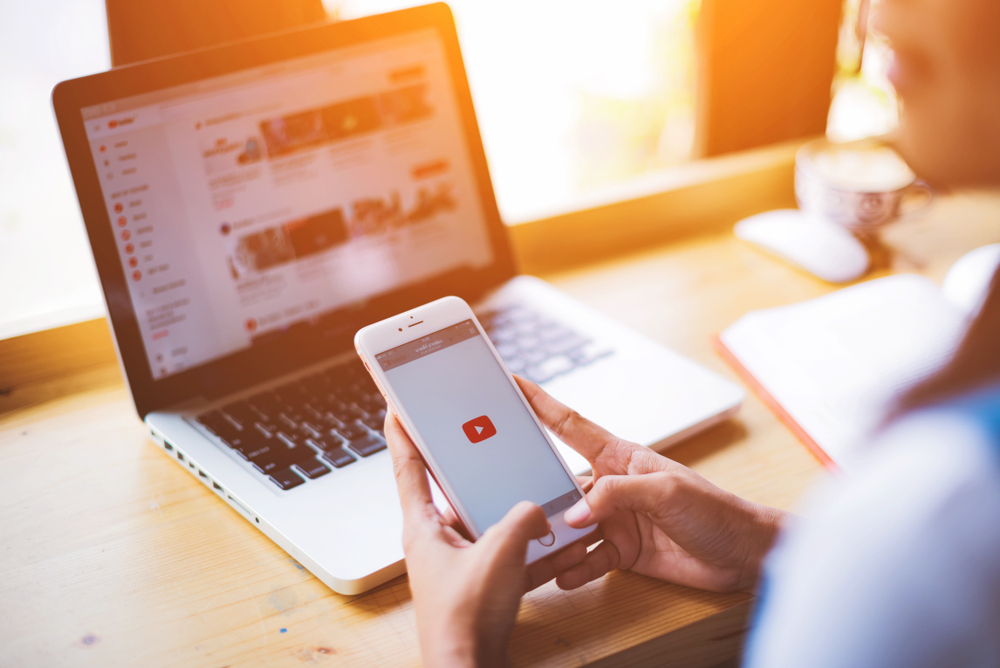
(251, 206)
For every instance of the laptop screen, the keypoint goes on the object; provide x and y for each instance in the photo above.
(254, 202)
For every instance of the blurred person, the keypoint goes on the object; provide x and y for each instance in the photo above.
(897, 566)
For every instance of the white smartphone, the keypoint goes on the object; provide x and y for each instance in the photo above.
(481, 441)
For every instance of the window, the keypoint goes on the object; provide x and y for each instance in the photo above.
(46, 272)
(572, 94)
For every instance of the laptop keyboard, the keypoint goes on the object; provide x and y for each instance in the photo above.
(303, 430)
(536, 347)
(308, 428)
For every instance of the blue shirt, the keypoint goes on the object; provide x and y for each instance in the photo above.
(898, 565)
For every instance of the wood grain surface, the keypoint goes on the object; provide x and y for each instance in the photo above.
(112, 555)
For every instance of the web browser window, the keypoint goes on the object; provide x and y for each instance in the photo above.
(482, 437)
(253, 202)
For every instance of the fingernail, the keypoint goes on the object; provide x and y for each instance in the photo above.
(579, 513)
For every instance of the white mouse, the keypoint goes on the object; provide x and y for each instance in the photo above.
(968, 280)
(824, 249)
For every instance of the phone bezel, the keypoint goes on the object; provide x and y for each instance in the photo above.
(421, 321)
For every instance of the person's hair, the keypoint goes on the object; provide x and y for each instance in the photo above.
(976, 363)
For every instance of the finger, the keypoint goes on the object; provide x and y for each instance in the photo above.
(451, 519)
(456, 523)
(522, 523)
(572, 428)
(585, 482)
(600, 561)
(545, 569)
(411, 474)
(646, 493)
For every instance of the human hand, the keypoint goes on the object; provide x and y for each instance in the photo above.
(465, 594)
(657, 517)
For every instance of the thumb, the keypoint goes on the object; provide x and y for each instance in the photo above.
(522, 523)
(644, 493)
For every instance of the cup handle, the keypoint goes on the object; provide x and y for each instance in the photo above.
(917, 196)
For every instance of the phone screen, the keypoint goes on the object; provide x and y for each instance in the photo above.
(485, 442)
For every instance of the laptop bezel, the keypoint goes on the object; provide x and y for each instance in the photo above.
(294, 349)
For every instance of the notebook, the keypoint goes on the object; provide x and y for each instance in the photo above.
(831, 367)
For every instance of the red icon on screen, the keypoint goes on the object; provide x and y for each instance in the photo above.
(126, 235)
(103, 149)
(133, 262)
(479, 429)
(118, 207)
(122, 221)
(251, 325)
(129, 248)
(136, 275)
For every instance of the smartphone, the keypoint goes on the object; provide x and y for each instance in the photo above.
(481, 441)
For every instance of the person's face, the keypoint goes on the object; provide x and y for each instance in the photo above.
(946, 70)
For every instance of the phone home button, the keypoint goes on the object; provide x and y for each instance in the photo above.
(547, 541)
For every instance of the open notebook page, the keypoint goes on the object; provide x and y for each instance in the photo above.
(835, 363)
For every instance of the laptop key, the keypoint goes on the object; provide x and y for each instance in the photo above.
(507, 349)
(266, 403)
(219, 424)
(311, 430)
(516, 365)
(566, 344)
(312, 413)
(288, 422)
(549, 369)
(339, 457)
(289, 438)
(235, 441)
(330, 403)
(273, 452)
(268, 458)
(374, 422)
(269, 467)
(351, 431)
(243, 412)
(367, 446)
(312, 468)
(324, 443)
(266, 429)
(535, 356)
(285, 478)
(368, 409)
(589, 353)
(502, 335)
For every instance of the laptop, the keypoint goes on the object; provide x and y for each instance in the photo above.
(251, 206)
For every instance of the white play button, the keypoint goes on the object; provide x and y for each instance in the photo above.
(479, 430)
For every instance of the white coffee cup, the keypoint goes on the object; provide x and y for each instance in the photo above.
(861, 185)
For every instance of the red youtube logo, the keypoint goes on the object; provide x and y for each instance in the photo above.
(479, 429)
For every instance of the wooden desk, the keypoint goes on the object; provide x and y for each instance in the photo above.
(112, 555)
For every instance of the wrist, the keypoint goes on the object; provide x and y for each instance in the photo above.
(456, 644)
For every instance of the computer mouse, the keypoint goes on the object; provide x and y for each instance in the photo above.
(824, 249)
(968, 280)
